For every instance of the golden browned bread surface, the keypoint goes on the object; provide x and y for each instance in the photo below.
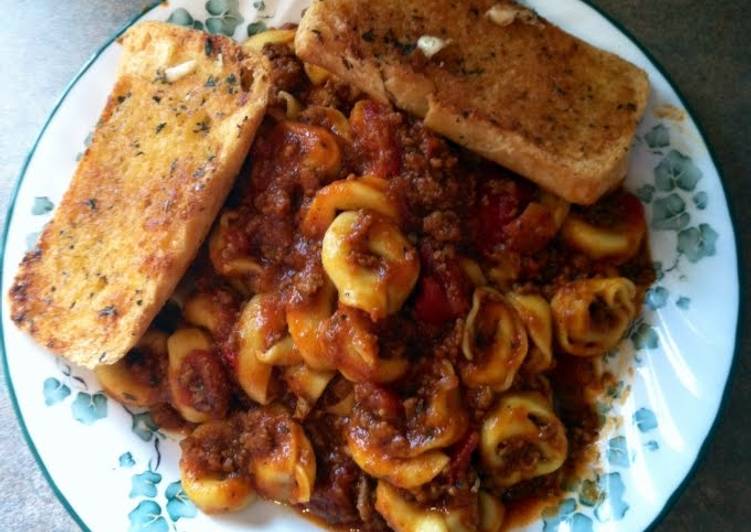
(170, 141)
(491, 76)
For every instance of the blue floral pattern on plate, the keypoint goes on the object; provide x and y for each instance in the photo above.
(644, 428)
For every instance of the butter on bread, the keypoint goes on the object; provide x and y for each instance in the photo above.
(173, 135)
(492, 76)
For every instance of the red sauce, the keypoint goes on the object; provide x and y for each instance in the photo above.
(453, 207)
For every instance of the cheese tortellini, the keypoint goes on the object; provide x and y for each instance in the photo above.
(616, 237)
(227, 249)
(315, 147)
(521, 439)
(403, 472)
(136, 379)
(352, 347)
(251, 333)
(484, 514)
(261, 451)
(406, 516)
(494, 341)
(282, 465)
(592, 315)
(275, 36)
(347, 195)
(307, 384)
(406, 448)
(306, 321)
(373, 266)
(197, 379)
(212, 491)
(534, 311)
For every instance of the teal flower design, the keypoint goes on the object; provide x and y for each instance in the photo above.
(182, 17)
(41, 205)
(147, 517)
(656, 297)
(645, 419)
(658, 137)
(617, 452)
(644, 336)
(178, 504)
(697, 242)
(552, 519)
(652, 445)
(565, 515)
(54, 391)
(701, 200)
(256, 27)
(676, 170)
(659, 271)
(612, 507)
(683, 302)
(645, 193)
(580, 523)
(144, 484)
(225, 17)
(88, 408)
(669, 213)
(143, 425)
(126, 460)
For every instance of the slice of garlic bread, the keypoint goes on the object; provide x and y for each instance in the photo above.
(170, 141)
(492, 76)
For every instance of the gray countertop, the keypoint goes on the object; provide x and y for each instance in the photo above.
(705, 47)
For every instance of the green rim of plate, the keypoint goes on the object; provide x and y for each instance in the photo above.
(618, 26)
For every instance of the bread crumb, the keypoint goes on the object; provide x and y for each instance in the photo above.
(505, 14)
(670, 112)
(176, 72)
(430, 45)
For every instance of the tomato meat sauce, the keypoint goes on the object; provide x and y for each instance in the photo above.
(472, 225)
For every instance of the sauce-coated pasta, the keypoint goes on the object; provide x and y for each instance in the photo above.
(384, 331)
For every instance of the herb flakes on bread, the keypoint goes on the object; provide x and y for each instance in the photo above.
(170, 141)
(492, 76)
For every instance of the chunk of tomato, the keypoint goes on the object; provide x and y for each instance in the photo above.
(432, 303)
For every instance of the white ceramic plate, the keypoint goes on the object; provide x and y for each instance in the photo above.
(114, 471)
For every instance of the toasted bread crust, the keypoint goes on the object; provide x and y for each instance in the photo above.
(164, 156)
(519, 91)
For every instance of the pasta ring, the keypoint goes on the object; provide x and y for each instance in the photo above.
(402, 472)
(592, 315)
(253, 375)
(492, 513)
(405, 516)
(347, 195)
(259, 40)
(284, 469)
(307, 384)
(494, 341)
(213, 492)
(192, 349)
(134, 388)
(353, 349)
(522, 424)
(306, 320)
(329, 118)
(617, 243)
(535, 312)
(381, 288)
(239, 264)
